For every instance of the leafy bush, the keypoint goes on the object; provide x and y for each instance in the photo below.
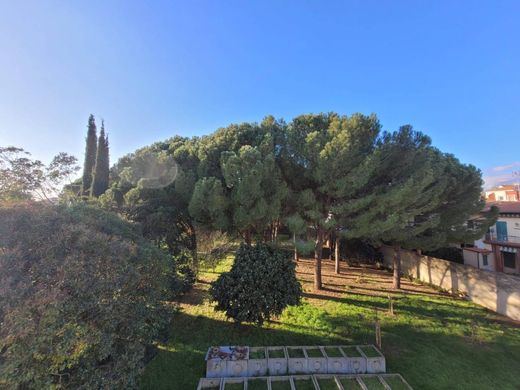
(447, 253)
(81, 296)
(361, 251)
(260, 284)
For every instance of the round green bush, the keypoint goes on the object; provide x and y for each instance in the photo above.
(81, 297)
(261, 284)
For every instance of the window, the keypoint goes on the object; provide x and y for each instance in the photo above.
(484, 259)
(509, 259)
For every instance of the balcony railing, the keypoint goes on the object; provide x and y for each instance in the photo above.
(502, 238)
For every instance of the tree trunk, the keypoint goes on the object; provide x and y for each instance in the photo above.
(247, 237)
(330, 246)
(337, 256)
(296, 255)
(397, 267)
(318, 250)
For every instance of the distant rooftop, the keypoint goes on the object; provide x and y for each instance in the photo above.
(504, 187)
(505, 207)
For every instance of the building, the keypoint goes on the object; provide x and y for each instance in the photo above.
(499, 249)
(506, 192)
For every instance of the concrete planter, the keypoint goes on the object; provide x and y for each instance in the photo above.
(375, 360)
(304, 382)
(395, 381)
(209, 384)
(276, 361)
(258, 383)
(316, 360)
(356, 360)
(257, 363)
(233, 384)
(297, 360)
(337, 363)
(226, 361)
(215, 368)
(280, 383)
(351, 382)
(372, 382)
(236, 368)
(327, 382)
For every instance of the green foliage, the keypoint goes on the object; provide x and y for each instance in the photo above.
(81, 297)
(90, 156)
(212, 246)
(256, 190)
(22, 178)
(209, 204)
(260, 285)
(447, 253)
(323, 159)
(100, 176)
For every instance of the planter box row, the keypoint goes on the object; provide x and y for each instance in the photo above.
(271, 361)
(309, 382)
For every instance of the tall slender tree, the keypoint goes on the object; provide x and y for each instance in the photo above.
(101, 169)
(90, 156)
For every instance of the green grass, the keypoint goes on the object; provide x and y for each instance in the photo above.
(281, 385)
(327, 384)
(276, 353)
(304, 384)
(372, 383)
(453, 343)
(257, 354)
(351, 351)
(314, 352)
(333, 352)
(295, 352)
(257, 384)
(234, 386)
(395, 383)
(350, 384)
(370, 351)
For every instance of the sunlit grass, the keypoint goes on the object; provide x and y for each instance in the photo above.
(435, 342)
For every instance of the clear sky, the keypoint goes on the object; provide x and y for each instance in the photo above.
(153, 69)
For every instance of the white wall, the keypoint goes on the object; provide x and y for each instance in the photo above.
(476, 260)
(495, 290)
(513, 226)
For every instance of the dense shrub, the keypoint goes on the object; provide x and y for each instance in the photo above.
(260, 284)
(360, 251)
(81, 296)
(448, 253)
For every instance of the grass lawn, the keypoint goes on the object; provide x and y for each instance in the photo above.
(433, 340)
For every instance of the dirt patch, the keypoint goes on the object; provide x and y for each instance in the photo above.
(361, 280)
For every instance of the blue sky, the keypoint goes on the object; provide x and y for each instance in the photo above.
(159, 68)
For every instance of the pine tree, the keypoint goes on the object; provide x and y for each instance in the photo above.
(102, 167)
(90, 156)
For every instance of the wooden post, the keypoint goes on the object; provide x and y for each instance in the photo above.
(377, 330)
(296, 255)
(337, 256)
(390, 305)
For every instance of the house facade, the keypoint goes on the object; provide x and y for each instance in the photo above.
(499, 249)
(503, 193)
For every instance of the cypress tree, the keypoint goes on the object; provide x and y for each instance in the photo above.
(90, 156)
(101, 169)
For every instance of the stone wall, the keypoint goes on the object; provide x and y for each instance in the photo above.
(494, 290)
